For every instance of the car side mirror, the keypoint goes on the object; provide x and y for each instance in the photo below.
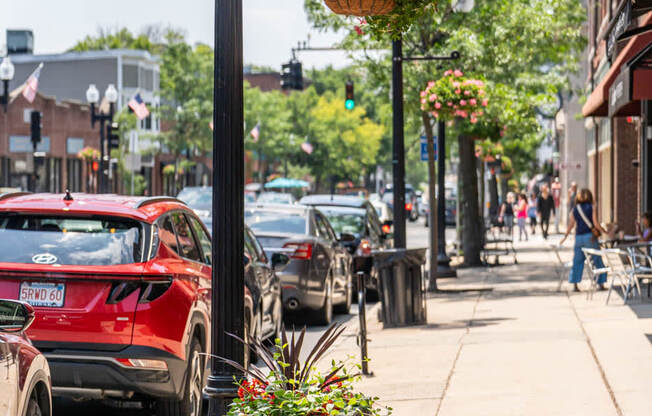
(279, 261)
(347, 238)
(15, 317)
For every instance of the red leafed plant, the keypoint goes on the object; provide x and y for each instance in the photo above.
(292, 387)
(455, 96)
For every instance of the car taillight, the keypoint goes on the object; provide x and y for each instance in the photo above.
(143, 364)
(408, 207)
(387, 229)
(302, 251)
(120, 291)
(364, 248)
(153, 290)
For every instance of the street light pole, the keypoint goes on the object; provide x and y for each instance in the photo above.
(398, 153)
(443, 261)
(93, 97)
(6, 74)
(227, 296)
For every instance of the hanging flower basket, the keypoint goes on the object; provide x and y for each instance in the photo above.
(455, 97)
(361, 7)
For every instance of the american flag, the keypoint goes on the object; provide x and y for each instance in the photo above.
(307, 147)
(31, 85)
(138, 106)
(255, 132)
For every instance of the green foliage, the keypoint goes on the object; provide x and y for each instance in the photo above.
(293, 386)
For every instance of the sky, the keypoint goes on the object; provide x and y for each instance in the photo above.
(271, 27)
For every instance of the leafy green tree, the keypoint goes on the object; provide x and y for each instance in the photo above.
(523, 48)
(270, 112)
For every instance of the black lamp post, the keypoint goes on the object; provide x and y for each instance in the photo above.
(6, 74)
(227, 297)
(93, 97)
(443, 261)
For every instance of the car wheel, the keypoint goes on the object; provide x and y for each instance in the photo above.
(325, 313)
(191, 403)
(346, 306)
(33, 408)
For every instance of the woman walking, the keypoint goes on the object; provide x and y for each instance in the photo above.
(545, 207)
(506, 216)
(521, 216)
(583, 219)
(532, 212)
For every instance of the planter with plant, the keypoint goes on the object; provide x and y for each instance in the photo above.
(293, 387)
(385, 17)
(455, 97)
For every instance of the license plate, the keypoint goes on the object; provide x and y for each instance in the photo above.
(49, 295)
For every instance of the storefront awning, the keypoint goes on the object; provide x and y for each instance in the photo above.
(633, 84)
(598, 102)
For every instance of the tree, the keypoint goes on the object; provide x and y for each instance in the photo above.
(523, 48)
(186, 85)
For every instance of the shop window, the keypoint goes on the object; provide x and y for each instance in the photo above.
(74, 145)
(23, 144)
(130, 76)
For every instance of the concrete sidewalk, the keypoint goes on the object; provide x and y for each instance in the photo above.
(503, 342)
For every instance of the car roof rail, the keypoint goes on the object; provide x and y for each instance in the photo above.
(154, 199)
(9, 195)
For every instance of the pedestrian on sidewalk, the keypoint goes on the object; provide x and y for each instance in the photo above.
(506, 216)
(521, 216)
(583, 219)
(532, 212)
(555, 190)
(545, 207)
(644, 228)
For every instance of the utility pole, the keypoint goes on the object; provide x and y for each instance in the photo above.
(227, 295)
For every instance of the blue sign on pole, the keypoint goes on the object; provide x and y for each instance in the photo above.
(424, 148)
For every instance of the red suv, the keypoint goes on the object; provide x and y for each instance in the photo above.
(122, 289)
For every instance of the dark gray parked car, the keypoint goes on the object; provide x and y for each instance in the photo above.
(318, 276)
(357, 216)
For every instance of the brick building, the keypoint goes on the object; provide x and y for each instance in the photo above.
(618, 110)
(66, 129)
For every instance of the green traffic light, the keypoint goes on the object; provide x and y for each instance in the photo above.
(349, 104)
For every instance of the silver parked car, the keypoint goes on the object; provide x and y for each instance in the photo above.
(25, 388)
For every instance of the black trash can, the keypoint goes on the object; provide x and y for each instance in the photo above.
(402, 286)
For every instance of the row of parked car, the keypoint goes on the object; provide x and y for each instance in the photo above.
(117, 289)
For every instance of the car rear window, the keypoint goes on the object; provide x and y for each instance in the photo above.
(346, 222)
(69, 240)
(275, 222)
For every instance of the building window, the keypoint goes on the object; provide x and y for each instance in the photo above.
(590, 140)
(604, 132)
(23, 144)
(130, 76)
(74, 145)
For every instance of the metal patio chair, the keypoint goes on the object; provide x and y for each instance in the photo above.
(561, 267)
(592, 268)
(618, 261)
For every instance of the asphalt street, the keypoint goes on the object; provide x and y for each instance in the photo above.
(417, 236)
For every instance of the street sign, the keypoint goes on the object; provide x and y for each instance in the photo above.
(133, 162)
(424, 148)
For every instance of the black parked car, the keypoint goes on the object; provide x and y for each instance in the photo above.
(318, 276)
(355, 216)
(264, 306)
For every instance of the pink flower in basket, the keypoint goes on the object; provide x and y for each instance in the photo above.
(449, 72)
(462, 103)
(450, 104)
(423, 94)
(467, 92)
(473, 101)
(458, 91)
(431, 84)
(423, 101)
(485, 103)
(456, 84)
(474, 120)
(433, 98)
(458, 73)
(437, 105)
(436, 114)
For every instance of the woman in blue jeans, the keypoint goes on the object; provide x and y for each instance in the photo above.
(583, 219)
